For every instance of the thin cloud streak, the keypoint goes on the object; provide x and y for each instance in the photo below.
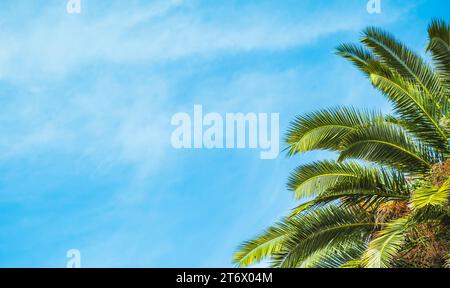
(57, 44)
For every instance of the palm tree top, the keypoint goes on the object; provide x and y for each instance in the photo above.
(384, 201)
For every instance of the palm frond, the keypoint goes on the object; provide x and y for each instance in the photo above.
(405, 63)
(383, 198)
(313, 179)
(447, 262)
(368, 190)
(388, 144)
(303, 207)
(439, 46)
(324, 130)
(420, 113)
(430, 214)
(409, 100)
(327, 227)
(431, 196)
(359, 55)
(384, 248)
(341, 256)
(353, 264)
(364, 197)
(268, 243)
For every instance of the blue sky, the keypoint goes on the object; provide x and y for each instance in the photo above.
(86, 102)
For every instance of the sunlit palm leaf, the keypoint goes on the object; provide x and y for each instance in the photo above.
(327, 227)
(341, 256)
(388, 144)
(348, 202)
(359, 55)
(324, 130)
(315, 178)
(405, 62)
(268, 243)
(420, 113)
(371, 187)
(431, 196)
(439, 34)
(409, 100)
(352, 264)
(384, 248)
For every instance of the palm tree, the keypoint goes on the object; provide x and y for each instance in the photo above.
(384, 202)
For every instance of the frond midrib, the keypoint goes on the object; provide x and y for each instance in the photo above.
(329, 230)
(384, 245)
(392, 145)
(352, 175)
(417, 103)
(406, 67)
(247, 255)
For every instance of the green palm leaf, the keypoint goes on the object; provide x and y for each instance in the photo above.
(384, 163)
(324, 228)
(359, 55)
(431, 196)
(313, 179)
(324, 130)
(420, 113)
(405, 62)
(341, 256)
(409, 101)
(389, 144)
(439, 34)
(268, 243)
(384, 248)
(370, 187)
(352, 264)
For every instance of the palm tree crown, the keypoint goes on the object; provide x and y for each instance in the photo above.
(384, 202)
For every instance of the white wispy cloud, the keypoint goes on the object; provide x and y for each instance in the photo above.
(111, 119)
(57, 43)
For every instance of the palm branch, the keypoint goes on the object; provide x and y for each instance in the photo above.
(385, 200)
